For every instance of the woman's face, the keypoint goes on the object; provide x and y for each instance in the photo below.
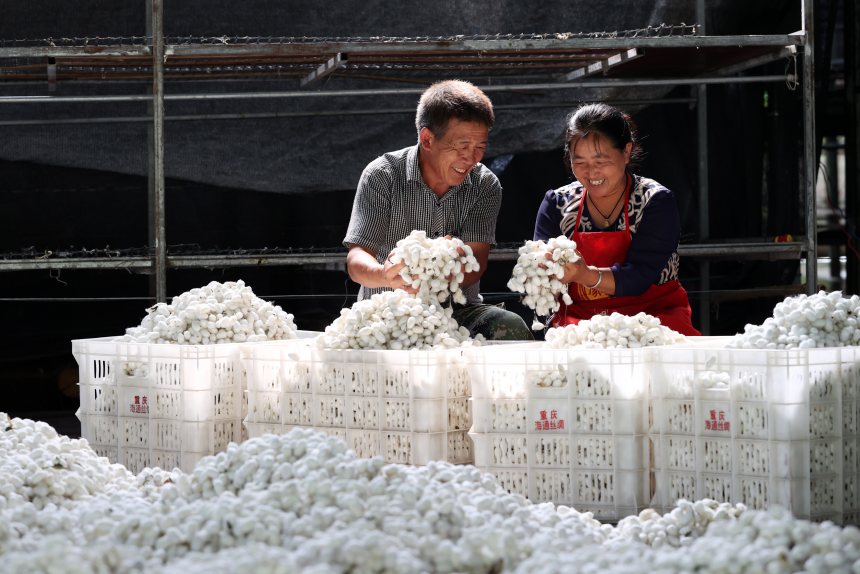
(599, 166)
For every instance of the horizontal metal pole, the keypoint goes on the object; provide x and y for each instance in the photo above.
(216, 261)
(791, 250)
(142, 264)
(394, 45)
(152, 299)
(579, 84)
(786, 250)
(751, 250)
(721, 295)
(786, 52)
(319, 113)
(74, 51)
(72, 299)
(716, 295)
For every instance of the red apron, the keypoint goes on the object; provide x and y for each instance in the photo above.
(668, 302)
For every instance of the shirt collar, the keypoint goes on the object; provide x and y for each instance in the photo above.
(413, 170)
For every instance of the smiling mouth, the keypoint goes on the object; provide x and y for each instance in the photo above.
(596, 181)
(461, 171)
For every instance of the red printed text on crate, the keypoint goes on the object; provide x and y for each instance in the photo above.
(140, 405)
(549, 421)
(717, 421)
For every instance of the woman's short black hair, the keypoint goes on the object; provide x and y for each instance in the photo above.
(452, 99)
(605, 120)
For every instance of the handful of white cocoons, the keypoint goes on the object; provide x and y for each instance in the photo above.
(434, 266)
(539, 277)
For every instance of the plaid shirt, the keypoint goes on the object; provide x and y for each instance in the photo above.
(392, 200)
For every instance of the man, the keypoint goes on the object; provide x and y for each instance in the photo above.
(440, 186)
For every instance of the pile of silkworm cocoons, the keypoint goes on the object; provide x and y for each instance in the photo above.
(217, 313)
(614, 331)
(539, 277)
(435, 267)
(304, 502)
(806, 321)
(394, 320)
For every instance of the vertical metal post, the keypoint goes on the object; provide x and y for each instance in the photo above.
(852, 136)
(829, 156)
(157, 235)
(702, 151)
(809, 159)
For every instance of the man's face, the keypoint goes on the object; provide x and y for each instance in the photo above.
(445, 162)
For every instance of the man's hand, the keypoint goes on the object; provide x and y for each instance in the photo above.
(391, 272)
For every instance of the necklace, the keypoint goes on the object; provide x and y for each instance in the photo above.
(606, 216)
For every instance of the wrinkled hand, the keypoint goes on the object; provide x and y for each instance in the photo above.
(574, 272)
(395, 280)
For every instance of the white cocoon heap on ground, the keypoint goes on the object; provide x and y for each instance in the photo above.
(304, 502)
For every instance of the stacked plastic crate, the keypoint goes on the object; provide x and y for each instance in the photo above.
(159, 404)
(762, 427)
(563, 425)
(406, 406)
(850, 360)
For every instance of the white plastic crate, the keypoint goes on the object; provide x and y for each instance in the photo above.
(259, 429)
(167, 405)
(561, 451)
(394, 447)
(278, 366)
(163, 439)
(560, 415)
(420, 448)
(296, 366)
(531, 387)
(183, 382)
(535, 370)
(419, 374)
(560, 473)
(563, 425)
(761, 427)
(411, 391)
(136, 459)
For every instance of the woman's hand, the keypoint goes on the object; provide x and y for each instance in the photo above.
(575, 271)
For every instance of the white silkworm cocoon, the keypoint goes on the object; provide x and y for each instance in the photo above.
(395, 320)
(217, 313)
(805, 321)
(304, 502)
(549, 378)
(614, 331)
(538, 277)
(434, 266)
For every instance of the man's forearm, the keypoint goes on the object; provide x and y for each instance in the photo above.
(364, 269)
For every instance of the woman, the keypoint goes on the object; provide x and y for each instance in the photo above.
(626, 227)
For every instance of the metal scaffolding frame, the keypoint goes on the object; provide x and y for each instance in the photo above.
(663, 56)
